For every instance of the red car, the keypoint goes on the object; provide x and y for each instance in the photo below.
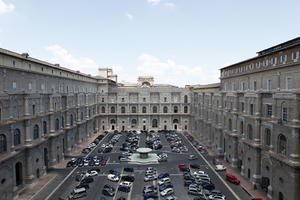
(232, 179)
(182, 165)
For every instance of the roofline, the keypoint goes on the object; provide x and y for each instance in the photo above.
(270, 50)
(25, 56)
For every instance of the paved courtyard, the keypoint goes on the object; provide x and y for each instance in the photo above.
(65, 181)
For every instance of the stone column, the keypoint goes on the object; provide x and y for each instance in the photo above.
(28, 137)
(296, 109)
(257, 133)
(295, 144)
(257, 170)
(51, 104)
(67, 118)
(51, 124)
(28, 168)
(52, 152)
(26, 106)
(234, 158)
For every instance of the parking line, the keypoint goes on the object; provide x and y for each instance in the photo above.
(118, 185)
(47, 198)
(218, 175)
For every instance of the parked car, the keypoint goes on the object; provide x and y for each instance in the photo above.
(128, 178)
(195, 166)
(166, 192)
(220, 167)
(77, 193)
(113, 177)
(192, 157)
(163, 175)
(232, 179)
(128, 169)
(91, 173)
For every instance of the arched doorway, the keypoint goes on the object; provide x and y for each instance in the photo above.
(19, 173)
(154, 123)
(175, 124)
(38, 173)
(46, 157)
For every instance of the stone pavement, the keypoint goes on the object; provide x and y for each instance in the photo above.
(34, 188)
(245, 183)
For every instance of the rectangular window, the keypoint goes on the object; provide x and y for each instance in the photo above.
(30, 86)
(269, 85)
(273, 61)
(14, 85)
(254, 85)
(102, 99)
(144, 99)
(242, 106)
(165, 99)
(269, 110)
(251, 109)
(283, 59)
(123, 99)
(289, 83)
(295, 56)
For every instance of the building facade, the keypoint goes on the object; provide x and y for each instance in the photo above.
(252, 118)
(47, 110)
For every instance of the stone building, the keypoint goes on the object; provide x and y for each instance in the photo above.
(47, 110)
(252, 118)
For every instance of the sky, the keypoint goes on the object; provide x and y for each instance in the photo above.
(180, 42)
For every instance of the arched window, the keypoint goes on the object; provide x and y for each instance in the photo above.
(2, 143)
(250, 132)
(185, 109)
(268, 136)
(185, 99)
(71, 120)
(45, 131)
(154, 123)
(81, 116)
(242, 127)
(90, 113)
(175, 109)
(165, 109)
(112, 109)
(103, 109)
(282, 144)
(144, 109)
(175, 121)
(230, 125)
(154, 109)
(123, 109)
(112, 121)
(57, 124)
(36, 132)
(133, 109)
(17, 137)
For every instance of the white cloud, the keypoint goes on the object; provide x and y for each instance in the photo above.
(153, 2)
(6, 7)
(61, 56)
(170, 5)
(169, 71)
(129, 16)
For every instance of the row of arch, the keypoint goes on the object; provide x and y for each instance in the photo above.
(144, 109)
(281, 139)
(154, 122)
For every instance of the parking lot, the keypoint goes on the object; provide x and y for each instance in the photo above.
(95, 189)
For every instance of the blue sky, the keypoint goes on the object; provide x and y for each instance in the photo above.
(176, 41)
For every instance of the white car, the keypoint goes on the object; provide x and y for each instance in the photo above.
(164, 180)
(216, 197)
(150, 178)
(113, 177)
(220, 168)
(166, 192)
(91, 173)
(126, 184)
(198, 173)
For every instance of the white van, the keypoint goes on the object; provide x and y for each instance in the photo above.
(77, 193)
